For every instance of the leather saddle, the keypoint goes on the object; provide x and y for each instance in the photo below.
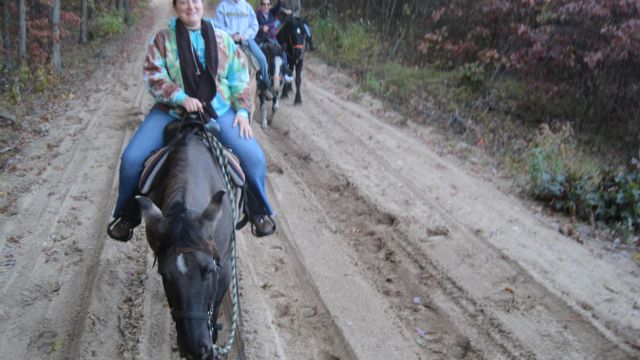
(154, 163)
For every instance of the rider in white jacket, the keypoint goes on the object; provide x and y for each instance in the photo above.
(237, 18)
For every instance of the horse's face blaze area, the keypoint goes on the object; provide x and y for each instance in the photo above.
(188, 280)
(298, 40)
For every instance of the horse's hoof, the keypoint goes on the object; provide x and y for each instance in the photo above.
(297, 102)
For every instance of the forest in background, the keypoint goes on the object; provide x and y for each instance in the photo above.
(551, 88)
(33, 33)
(582, 57)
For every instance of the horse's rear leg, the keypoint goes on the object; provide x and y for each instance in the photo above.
(298, 99)
(274, 108)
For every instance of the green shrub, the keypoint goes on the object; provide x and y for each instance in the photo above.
(109, 24)
(19, 84)
(547, 174)
(373, 84)
(42, 80)
(473, 76)
(399, 81)
(619, 199)
(359, 46)
(353, 45)
(568, 185)
(327, 32)
(400, 84)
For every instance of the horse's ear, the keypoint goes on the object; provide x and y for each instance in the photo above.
(213, 211)
(150, 212)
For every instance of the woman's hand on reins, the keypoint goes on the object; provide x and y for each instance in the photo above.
(192, 105)
(245, 129)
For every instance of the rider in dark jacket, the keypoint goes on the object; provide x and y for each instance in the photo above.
(286, 8)
(268, 26)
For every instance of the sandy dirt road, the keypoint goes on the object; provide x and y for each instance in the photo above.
(387, 247)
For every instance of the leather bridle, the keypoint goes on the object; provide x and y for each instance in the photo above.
(199, 315)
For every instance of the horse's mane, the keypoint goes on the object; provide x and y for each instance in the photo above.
(181, 230)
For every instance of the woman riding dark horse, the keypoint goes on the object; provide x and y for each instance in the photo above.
(293, 8)
(191, 67)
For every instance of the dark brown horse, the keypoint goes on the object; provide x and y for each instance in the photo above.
(292, 36)
(189, 224)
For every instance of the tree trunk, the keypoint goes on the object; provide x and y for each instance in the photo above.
(55, 37)
(127, 13)
(389, 11)
(366, 9)
(5, 25)
(84, 21)
(22, 37)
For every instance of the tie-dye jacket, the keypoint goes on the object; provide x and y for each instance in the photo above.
(163, 78)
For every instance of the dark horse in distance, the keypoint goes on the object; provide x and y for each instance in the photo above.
(189, 224)
(292, 36)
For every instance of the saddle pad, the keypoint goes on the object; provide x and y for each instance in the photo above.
(151, 168)
(237, 175)
(250, 57)
(154, 163)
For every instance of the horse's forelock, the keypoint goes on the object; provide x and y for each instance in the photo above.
(182, 231)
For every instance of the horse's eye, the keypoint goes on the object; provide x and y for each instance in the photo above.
(165, 276)
(208, 269)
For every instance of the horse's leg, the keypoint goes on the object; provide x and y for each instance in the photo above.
(298, 99)
(278, 77)
(287, 86)
(274, 108)
(276, 105)
(263, 109)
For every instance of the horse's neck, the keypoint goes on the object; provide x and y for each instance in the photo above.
(194, 176)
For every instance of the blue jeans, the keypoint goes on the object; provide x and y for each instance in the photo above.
(264, 68)
(149, 138)
(307, 29)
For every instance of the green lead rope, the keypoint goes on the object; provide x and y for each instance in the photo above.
(222, 159)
